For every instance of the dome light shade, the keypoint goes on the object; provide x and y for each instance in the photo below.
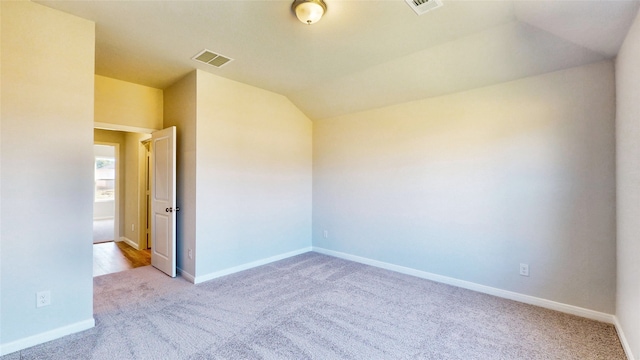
(309, 11)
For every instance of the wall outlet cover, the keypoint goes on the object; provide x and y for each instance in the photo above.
(524, 269)
(43, 298)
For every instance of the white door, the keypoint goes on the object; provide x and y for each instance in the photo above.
(163, 200)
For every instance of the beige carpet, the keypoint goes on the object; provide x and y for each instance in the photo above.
(318, 307)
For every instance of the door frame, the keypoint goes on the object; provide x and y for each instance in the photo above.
(144, 200)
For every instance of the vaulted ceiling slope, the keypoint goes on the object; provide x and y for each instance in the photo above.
(362, 54)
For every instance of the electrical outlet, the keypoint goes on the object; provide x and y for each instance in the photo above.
(133, 226)
(43, 298)
(190, 253)
(524, 269)
(326, 234)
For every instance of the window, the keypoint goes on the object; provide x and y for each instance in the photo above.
(105, 177)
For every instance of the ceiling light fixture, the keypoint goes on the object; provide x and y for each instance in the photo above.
(309, 11)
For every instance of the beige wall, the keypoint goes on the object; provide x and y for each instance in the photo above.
(472, 184)
(132, 106)
(253, 175)
(249, 163)
(180, 111)
(135, 206)
(628, 187)
(47, 173)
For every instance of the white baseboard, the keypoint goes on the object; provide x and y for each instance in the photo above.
(235, 269)
(527, 299)
(103, 218)
(129, 242)
(38, 339)
(187, 276)
(623, 339)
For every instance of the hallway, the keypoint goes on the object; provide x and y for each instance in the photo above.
(111, 257)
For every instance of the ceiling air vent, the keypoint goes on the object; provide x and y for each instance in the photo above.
(213, 59)
(422, 6)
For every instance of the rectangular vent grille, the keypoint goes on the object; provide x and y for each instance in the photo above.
(211, 58)
(422, 6)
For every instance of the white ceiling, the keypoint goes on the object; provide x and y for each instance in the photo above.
(363, 54)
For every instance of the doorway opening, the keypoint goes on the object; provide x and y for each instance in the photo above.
(104, 190)
(121, 237)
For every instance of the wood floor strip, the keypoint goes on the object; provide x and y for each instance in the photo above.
(111, 257)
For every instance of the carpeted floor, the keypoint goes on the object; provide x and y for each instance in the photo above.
(103, 230)
(317, 307)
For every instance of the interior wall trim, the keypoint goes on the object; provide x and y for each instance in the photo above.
(235, 269)
(130, 242)
(527, 299)
(125, 128)
(623, 339)
(38, 339)
(186, 275)
(103, 218)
